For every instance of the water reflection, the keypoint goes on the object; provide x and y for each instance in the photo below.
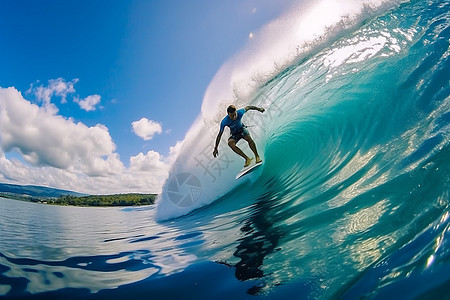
(261, 237)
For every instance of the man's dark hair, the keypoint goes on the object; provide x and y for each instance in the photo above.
(231, 109)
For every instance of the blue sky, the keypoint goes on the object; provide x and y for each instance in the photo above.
(89, 70)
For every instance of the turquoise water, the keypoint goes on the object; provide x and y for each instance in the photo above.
(352, 200)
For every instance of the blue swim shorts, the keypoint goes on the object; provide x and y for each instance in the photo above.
(241, 134)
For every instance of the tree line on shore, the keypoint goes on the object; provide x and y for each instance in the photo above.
(106, 200)
(92, 200)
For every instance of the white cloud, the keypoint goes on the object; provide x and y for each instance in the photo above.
(46, 139)
(154, 162)
(153, 167)
(60, 153)
(88, 103)
(56, 87)
(151, 161)
(146, 128)
(61, 88)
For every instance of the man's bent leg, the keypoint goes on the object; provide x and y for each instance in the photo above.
(232, 144)
(252, 145)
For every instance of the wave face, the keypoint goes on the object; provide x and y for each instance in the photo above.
(369, 102)
(355, 143)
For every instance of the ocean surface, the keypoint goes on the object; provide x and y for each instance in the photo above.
(352, 200)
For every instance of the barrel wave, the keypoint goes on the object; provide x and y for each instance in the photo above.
(355, 143)
(352, 111)
(351, 202)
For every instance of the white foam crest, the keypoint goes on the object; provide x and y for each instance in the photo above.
(280, 44)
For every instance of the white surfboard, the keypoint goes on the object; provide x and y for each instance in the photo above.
(248, 169)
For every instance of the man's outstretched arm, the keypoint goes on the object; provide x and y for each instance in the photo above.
(251, 107)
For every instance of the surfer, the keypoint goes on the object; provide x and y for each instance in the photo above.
(238, 131)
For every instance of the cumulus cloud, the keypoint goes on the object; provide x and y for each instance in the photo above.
(153, 167)
(146, 174)
(150, 161)
(46, 139)
(146, 128)
(61, 153)
(61, 88)
(14, 171)
(56, 87)
(88, 103)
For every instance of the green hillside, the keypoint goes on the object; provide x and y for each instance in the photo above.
(35, 191)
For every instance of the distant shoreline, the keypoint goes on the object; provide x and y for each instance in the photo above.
(131, 199)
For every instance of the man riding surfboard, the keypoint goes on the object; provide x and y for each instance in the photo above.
(238, 131)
